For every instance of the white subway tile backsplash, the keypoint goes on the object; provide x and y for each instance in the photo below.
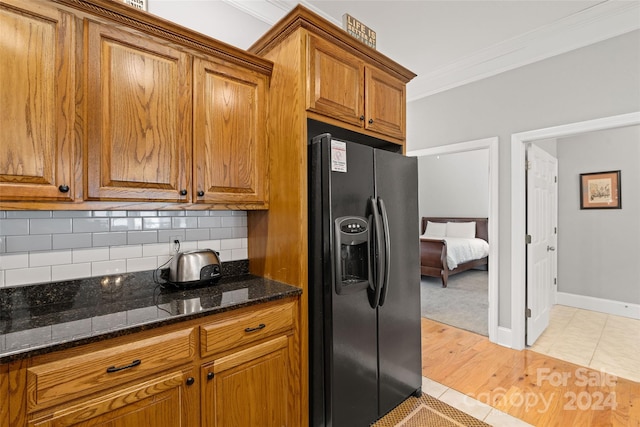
(110, 239)
(159, 223)
(90, 255)
(76, 328)
(220, 233)
(50, 226)
(37, 242)
(155, 249)
(126, 224)
(124, 252)
(70, 271)
(238, 254)
(139, 237)
(26, 276)
(208, 222)
(9, 261)
(72, 241)
(231, 244)
(225, 255)
(209, 244)
(90, 225)
(109, 321)
(39, 259)
(184, 222)
(14, 227)
(39, 246)
(103, 268)
(141, 264)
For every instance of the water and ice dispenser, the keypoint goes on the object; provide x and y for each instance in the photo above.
(353, 264)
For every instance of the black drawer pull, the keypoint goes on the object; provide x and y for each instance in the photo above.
(257, 328)
(112, 369)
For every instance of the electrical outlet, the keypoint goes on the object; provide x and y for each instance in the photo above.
(174, 243)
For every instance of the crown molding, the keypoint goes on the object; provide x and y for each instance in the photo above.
(600, 22)
(605, 20)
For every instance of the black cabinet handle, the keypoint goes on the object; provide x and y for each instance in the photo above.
(112, 369)
(200, 193)
(190, 381)
(257, 328)
(63, 188)
(361, 117)
(183, 192)
(209, 376)
(370, 121)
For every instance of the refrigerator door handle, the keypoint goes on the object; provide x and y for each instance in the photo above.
(377, 252)
(387, 251)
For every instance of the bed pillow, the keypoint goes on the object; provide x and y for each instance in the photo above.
(435, 230)
(466, 230)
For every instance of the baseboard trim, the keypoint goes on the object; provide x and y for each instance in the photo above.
(505, 337)
(599, 304)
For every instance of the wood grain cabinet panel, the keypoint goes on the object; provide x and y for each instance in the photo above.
(250, 387)
(139, 105)
(37, 94)
(344, 87)
(230, 147)
(166, 401)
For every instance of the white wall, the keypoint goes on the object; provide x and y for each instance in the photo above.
(598, 249)
(216, 19)
(454, 184)
(596, 81)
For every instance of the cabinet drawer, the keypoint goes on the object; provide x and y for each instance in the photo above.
(234, 331)
(93, 371)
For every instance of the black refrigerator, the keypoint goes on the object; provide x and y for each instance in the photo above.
(364, 282)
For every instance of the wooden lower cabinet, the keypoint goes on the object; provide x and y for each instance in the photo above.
(238, 368)
(166, 401)
(250, 387)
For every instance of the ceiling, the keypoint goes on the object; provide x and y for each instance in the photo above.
(448, 43)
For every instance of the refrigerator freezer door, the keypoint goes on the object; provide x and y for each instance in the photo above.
(399, 347)
(343, 340)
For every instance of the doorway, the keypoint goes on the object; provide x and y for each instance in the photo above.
(518, 207)
(490, 144)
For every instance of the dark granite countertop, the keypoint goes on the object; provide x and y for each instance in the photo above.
(42, 318)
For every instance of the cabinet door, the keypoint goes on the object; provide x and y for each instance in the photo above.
(229, 126)
(167, 401)
(385, 103)
(335, 85)
(249, 388)
(139, 118)
(37, 94)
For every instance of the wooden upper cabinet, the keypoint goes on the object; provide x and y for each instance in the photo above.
(342, 86)
(229, 122)
(385, 103)
(139, 109)
(37, 95)
(335, 82)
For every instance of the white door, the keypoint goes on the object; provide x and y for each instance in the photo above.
(542, 195)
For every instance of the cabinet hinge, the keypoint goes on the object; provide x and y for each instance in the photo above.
(527, 165)
(555, 230)
(555, 280)
(527, 239)
(555, 179)
(528, 312)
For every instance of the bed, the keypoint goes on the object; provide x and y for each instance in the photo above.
(446, 249)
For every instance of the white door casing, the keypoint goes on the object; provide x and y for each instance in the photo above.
(541, 227)
(495, 333)
(515, 335)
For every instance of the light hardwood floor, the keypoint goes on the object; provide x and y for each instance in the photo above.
(538, 389)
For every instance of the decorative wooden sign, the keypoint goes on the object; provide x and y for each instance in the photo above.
(358, 30)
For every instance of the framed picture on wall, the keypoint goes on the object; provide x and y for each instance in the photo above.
(600, 190)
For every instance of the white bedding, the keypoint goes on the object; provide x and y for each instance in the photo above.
(460, 250)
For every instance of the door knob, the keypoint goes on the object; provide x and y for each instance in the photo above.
(551, 248)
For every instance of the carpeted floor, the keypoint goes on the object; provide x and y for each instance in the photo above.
(463, 303)
(427, 411)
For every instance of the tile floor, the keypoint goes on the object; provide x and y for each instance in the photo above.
(597, 340)
(473, 407)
